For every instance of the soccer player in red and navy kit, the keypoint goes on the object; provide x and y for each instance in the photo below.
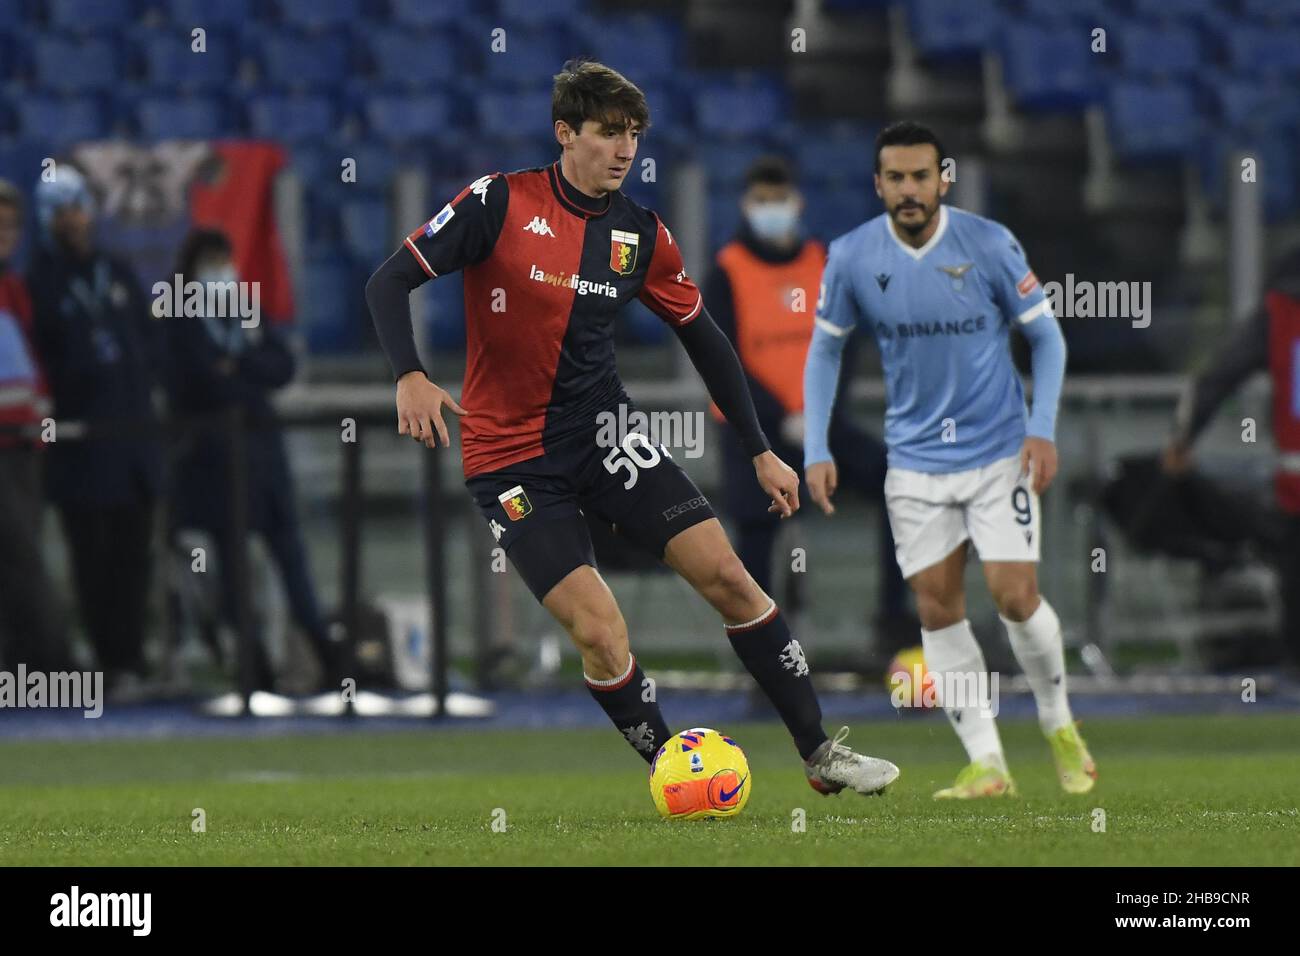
(549, 256)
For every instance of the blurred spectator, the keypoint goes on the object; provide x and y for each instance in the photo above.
(1269, 340)
(33, 625)
(216, 364)
(750, 294)
(96, 341)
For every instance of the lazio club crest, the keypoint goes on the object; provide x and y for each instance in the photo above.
(622, 251)
(516, 503)
(957, 274)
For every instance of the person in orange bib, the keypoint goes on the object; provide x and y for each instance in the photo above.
(762, 292)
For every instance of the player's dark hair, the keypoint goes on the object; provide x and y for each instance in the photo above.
(587, 90)
(200, 244)
(11, 196)
(769, 171)
(907, 133)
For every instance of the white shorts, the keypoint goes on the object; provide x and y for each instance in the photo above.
(932, 514)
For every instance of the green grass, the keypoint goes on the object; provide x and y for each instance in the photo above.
(1176, 791)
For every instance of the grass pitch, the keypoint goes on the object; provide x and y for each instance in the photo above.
(1175, 791)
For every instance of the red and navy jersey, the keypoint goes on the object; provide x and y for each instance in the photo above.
(546, 270)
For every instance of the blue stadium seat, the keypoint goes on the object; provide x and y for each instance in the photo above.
(403, 57)
(726, 161)
(73, 66)
(1182, 9)
(322, 14)
(1092, 11)
(1049, 68)
(1277, 171)
(397, 116)
(646, 49)
(1151, 121)
(1164, 50)
(510, 113)
(291, 60)
(189, 14)
(1249, 103)
(367, 225)
(165, 117)
(670, 110)
(331, 310)
(952, 28)
(1271, 9)
(515, 14)
(422, 13)
(61, 121)
(291, 118)
(643, 327)
(838, 153)
(171, 62)
(445, 318)
(530, 57)
(1255, 50)
(91, 16)
(724, 216)
(746, 107)
(833, 211)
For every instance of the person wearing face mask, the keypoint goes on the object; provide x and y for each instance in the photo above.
(96, 339)
(762, 291)
(220, 360)
(33, 625)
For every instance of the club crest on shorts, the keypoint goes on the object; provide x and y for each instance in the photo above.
(622, 251)
(516, 503)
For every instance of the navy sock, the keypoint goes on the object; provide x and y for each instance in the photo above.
(637, 719)
(776, 661)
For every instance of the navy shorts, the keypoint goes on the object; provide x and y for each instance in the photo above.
(538, 509)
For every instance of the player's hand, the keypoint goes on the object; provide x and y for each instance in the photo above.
(419, 409)
(1176, 459)
(1038, 458)
(780, 482)
(822, 478)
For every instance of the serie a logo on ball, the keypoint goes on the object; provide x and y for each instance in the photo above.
(699, 774)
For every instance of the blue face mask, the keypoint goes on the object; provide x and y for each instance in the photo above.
(774, 221)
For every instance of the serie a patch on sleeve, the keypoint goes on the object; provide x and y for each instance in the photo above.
(440, 220)
(1028, 284)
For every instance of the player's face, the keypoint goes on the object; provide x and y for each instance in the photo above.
(72, 226)
(910, 184)
(600, 156)
(10, 231)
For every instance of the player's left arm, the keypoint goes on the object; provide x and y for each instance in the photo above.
(1026, 306)
(671, 294)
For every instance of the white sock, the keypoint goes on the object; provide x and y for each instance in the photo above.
(954, 650)
(1040, 649)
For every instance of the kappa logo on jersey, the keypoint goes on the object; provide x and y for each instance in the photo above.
(480, 187)
(1028, 284)
(539, 227)
(622, 251)
(438, 221)
(516, 503)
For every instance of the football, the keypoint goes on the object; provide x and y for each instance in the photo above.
(698, 774)
(911, 685)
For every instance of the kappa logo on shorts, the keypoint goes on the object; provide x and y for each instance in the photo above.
(496, 527)
(689, 505)
(516, 503)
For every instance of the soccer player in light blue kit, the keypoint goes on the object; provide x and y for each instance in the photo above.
(941, 289)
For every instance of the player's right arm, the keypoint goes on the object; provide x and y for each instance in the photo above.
(837, 316)
(462, 233)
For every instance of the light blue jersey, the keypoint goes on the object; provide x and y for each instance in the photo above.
(942, 316)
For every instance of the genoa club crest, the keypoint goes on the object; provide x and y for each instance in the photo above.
(622, 251)
(515, 502)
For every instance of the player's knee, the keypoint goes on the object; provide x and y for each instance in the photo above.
(937, 611)
(600, 633)
(731, 580)
(1017, 601)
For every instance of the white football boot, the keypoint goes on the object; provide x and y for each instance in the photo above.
(832, 767)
